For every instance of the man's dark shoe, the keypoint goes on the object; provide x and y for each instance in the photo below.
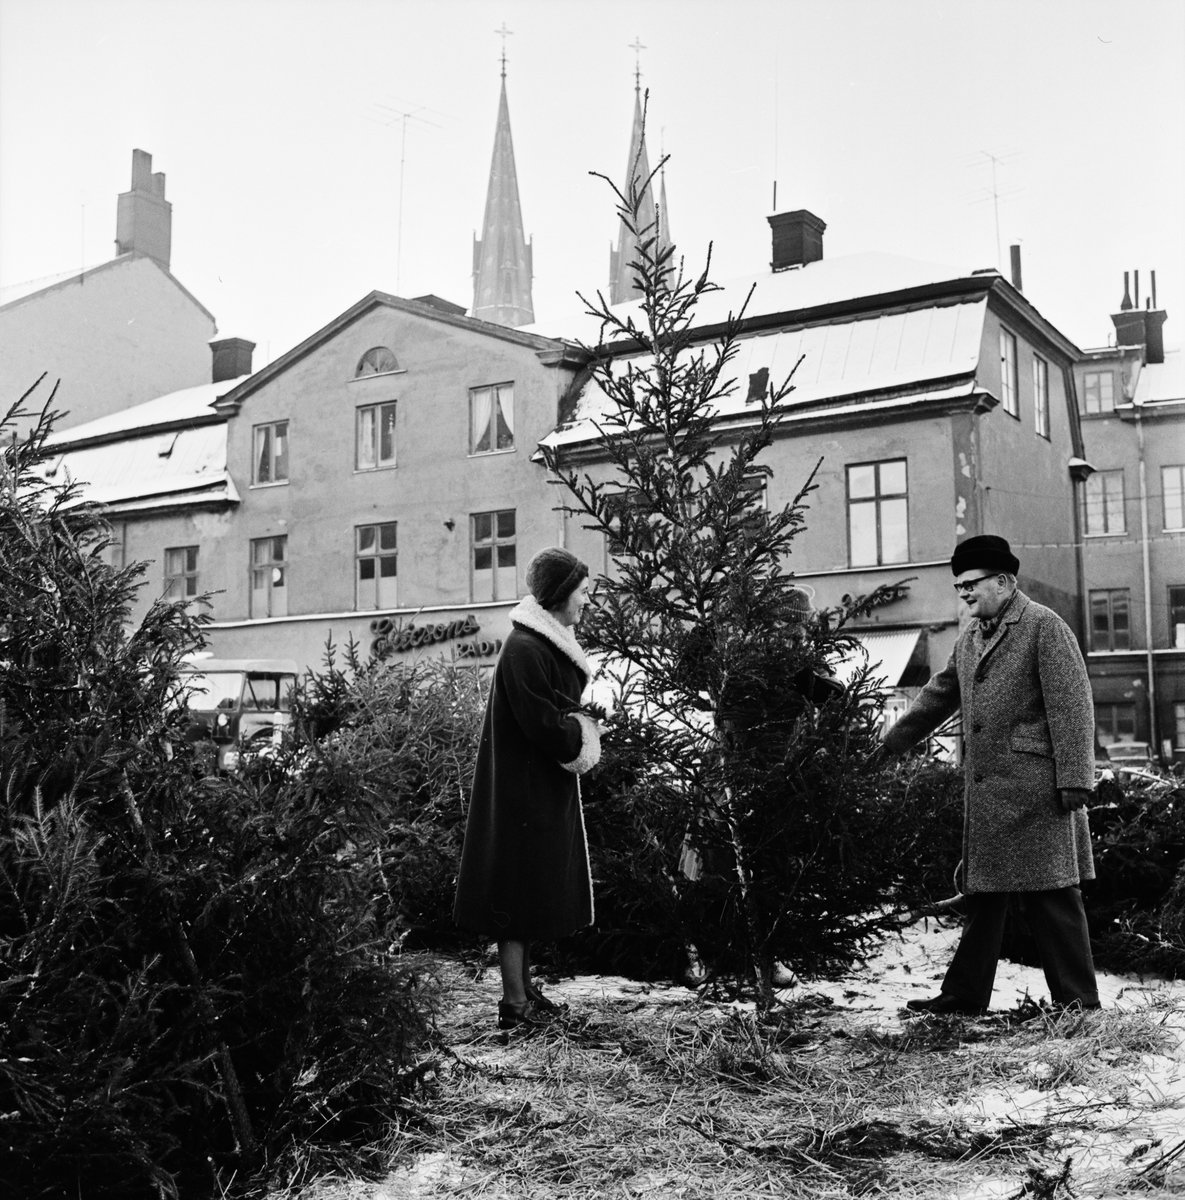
(945, 1004)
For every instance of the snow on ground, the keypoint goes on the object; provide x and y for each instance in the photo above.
(1111, 1122)
(1101, 1129)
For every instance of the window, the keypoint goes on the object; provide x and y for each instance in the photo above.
(491, 419)
(1009, 386)
(1104, 503)
(1179, 724)
(1098, 392)
(1115, 723)
(1041, 396)
(378, 360)
(878, 518)
(1172, 488)
(1110, 626)
(376, 562)
(375, 437)
(269, 577)
(495, 573)
(270, 464)
(181, 572)
(1177, 618)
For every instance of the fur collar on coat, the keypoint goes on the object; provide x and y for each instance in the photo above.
(530, 614)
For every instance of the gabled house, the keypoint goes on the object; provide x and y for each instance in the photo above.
(941, 405)
(1132, 405)
(385, 479)
(116, 335)
(159, 472)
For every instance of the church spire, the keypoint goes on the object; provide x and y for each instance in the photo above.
(502, 258)
(637, 172)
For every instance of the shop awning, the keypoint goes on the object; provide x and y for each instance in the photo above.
(887, 652)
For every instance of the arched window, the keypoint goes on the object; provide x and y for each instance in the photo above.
(378, 360)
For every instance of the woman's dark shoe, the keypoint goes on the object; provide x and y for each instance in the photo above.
(514, 1016)
(945, 1004)
(543, 1005)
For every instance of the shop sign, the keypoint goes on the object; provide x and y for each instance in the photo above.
(392, 638)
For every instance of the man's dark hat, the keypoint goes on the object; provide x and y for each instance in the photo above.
(984, 553)
(553, 575)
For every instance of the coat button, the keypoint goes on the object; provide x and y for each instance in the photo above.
(976, 728)
(978, 779)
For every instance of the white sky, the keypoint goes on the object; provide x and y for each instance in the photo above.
(264, 116)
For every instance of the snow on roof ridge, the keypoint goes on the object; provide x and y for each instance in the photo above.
(830, 280)
(184, 404)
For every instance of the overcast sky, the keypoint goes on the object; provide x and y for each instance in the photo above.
(274, 123)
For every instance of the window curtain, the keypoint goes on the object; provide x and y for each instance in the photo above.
(506, 412)
(482, 408)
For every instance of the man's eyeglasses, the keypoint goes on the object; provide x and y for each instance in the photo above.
(968, 585)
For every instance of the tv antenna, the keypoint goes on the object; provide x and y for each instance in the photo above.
(993, 193)
(401, 116)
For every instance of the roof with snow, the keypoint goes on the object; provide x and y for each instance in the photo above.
(187, 406)
(853, 333)
(166, 453)
(854, 277)
(1161, 383)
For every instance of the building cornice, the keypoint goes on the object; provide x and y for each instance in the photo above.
(958, 394)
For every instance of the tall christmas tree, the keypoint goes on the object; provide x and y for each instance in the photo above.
(744, 778)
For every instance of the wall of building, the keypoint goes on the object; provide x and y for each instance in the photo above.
(144, 538)
(1027, 492)
(820, 551)
(122, 334)
(430, 493)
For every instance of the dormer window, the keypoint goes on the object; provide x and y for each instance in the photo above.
(378, 360)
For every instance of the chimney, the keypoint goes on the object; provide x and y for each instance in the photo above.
(1014, 251)
(1135, 326)
(797, 239)
(144, 218)
(232, 358)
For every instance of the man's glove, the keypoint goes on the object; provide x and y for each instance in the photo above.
(1070, 799)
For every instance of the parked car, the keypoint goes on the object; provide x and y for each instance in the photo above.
(1130, 754)
(238, 703)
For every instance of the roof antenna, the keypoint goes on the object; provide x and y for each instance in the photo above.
(775, 209)
(402, 115)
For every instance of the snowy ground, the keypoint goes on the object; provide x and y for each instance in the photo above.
(1118, 1112)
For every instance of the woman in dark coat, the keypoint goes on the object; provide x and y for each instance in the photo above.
(524, 867)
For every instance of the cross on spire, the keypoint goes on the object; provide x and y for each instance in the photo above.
(637, 47)
(504, 33)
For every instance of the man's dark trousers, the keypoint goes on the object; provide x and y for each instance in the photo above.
(1058, 922)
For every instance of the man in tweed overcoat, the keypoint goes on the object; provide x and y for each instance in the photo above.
(1028, 728)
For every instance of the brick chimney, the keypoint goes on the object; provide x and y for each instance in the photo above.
(144, 218)
(797, 239)
(1136, 326)
(232, 358)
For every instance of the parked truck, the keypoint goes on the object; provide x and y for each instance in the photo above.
(239, 703)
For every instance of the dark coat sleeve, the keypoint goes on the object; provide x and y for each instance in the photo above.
(940, 699)
(528, 680)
